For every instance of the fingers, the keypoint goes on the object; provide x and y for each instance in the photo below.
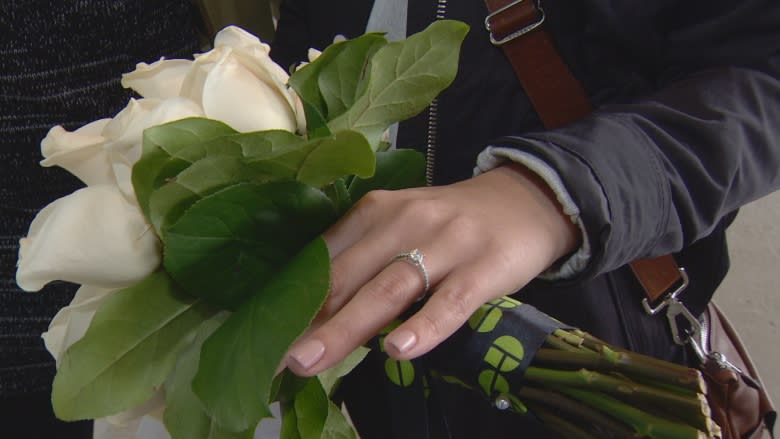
(482, 238)
(449, 306)
(380, 226)
(380, 301)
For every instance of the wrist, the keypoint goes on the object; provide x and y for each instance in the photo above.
(561, 233)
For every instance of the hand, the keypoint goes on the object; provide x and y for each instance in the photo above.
(482, 238)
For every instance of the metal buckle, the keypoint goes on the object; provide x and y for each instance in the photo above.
(669, 297)
(518, 33)
(691, 329)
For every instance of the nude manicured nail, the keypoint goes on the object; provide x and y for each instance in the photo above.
(308, 353)
(402, 340)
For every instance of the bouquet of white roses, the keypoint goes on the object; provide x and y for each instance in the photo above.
(196, 244)
(196, 241)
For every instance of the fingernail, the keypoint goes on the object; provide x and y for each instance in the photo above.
(402, 340)
(308, 353)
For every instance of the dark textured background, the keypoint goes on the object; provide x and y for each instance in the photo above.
(60, 63)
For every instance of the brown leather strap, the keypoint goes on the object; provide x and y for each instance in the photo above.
(555, 93)
(656, 275)
(559, 99)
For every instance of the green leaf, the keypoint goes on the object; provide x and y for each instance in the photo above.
(339, 195)
(306, 80)
(331, 377)
(404, 77)
(238, 361)
(128, 351)
(318, 417)
(342, 76)
(286, 385)
(395, 169)
(184, 415)
(311, 410)
(289, 429)
(230, 243)
(346, 153)
(173, 175)
(319, 161)
(159, 146)
(336, 425)
(202, 178)
(316, 125)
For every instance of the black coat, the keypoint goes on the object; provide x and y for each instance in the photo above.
(686, 130)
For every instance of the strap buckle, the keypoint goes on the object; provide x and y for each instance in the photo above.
(685, 327)
(518, 33)
(650, 310)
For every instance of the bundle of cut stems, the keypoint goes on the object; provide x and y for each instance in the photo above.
(583, 387)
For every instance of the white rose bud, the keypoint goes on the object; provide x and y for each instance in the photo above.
(94, 236)
(238, 83)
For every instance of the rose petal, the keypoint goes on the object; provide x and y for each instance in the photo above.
(235, 37)
(161, 79)
(79, 152)
(107, 430)
(313, 54)
(125, 133)
(93, 236)
(236, 96)
(192, 87)
(262, 66)
(71, 322)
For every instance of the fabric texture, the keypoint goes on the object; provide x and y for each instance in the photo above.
(685, 131)
(60, 63)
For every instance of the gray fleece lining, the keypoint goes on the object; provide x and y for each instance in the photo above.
(493, 157)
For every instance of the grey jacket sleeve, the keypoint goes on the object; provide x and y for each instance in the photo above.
(656, 174)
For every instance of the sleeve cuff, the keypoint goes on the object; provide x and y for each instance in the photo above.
(493, 157)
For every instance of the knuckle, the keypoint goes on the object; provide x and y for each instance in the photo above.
(464, 228)
(458, 301)
(425, 210)
(392, 288)
(371, 199)
(334, 332)
(430, 325)
(370, 205)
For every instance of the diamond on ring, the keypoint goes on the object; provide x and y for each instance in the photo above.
(415, 257)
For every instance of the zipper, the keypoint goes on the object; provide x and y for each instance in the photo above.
(433, 115)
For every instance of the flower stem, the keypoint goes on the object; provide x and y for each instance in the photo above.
(643, 423)
(692, 409)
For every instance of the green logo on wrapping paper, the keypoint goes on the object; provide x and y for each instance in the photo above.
(488, 315)
(505, 355)
(400, 373)
(492, 382)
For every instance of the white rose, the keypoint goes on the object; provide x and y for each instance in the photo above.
(80, 152)
(124, 133)
(104, 151)
(161, 79)
(237, 82)
(71, 322)
(94, 236)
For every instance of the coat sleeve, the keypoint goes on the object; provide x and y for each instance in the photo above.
(656, 174)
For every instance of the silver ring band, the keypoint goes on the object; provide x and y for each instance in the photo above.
(415, 257)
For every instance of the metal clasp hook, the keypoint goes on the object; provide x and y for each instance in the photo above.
(669, 297)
